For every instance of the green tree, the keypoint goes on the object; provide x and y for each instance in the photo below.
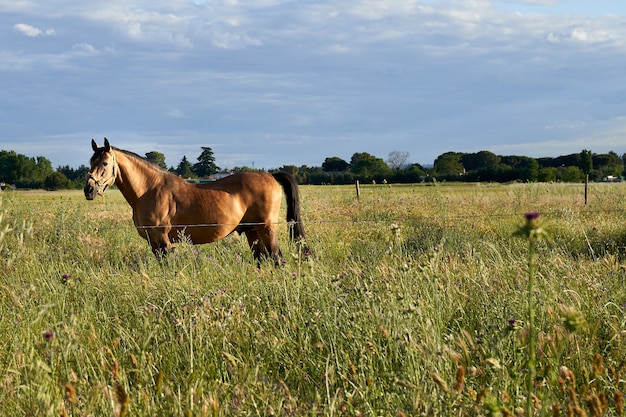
(292, 169)
(157, 158)
(76, 176)
(206, 163)
(528, 169)
(244, 168)
(184, 168)
(548, 174)
(334, 163)
(369, 167)
(412, 173)
(23, 171)
(586, 161)
(608, 164)
(43, 168)
(483, 160)
(449, 164)
(571, 174)
(56, 181)
(9, 169)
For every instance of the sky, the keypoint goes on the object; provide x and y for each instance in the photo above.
(267, 83)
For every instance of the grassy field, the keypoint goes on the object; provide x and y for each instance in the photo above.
(414, 302)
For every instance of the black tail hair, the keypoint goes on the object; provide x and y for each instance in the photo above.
(290, 186)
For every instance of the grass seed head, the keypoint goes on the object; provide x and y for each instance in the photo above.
(573, 319)
(439, 381)
(618, 398)
(70, 393)
(459, 382)
(122, 401)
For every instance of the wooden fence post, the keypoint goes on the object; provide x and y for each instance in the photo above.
(586, 185)
(358, 190)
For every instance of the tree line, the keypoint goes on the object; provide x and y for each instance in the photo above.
(486, 166)
(468, 167)
(20, 171)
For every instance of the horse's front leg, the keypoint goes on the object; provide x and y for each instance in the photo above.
(258, 249)
(159, 242)
(162, 250)
(264, 244)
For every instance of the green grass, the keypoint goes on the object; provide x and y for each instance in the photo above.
(414, 303)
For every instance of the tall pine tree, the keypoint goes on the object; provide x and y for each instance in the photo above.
(184, 168)
(206, 163)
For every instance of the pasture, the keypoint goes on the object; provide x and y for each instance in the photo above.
(414, 302)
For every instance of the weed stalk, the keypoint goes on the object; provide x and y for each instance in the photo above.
(533, 233)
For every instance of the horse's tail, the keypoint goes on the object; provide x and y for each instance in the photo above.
(290, 186)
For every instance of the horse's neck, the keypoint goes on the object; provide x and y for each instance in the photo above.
(135, 179)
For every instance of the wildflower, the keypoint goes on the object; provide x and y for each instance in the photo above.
(531, 229)
(49, 335)
(532, 216)
(514, 324)
(533, 233)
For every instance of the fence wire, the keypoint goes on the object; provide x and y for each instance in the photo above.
(379, 220)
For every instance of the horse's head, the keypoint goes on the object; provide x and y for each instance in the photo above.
(103, 171)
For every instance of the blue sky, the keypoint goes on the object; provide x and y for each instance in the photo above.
(267, 83)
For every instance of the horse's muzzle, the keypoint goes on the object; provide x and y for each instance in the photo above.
(90, 189)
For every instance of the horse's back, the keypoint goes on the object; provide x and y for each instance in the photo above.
(254, 182)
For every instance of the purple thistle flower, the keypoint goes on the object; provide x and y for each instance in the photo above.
(49, 335)
(533, 215)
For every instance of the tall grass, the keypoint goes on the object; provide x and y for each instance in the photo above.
(414, 303)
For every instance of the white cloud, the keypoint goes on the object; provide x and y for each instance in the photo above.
(590, 35)
(176, 114)
(33, 31)
(405, 74)
(85, 48)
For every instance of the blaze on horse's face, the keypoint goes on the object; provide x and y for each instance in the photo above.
(103, 170)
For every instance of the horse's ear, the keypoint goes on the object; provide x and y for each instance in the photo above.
(94, 145)
(107, 147)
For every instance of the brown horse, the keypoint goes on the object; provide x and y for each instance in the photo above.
(166, 207)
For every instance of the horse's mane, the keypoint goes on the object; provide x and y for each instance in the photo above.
(141, 160)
